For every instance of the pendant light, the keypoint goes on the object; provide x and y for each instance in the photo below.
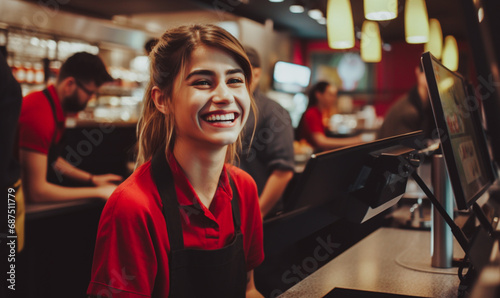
(371, 44)
(416, 22)
(435, 43)
(380, 10)
(450, 53)
(339, 24)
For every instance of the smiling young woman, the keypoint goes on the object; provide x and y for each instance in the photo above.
(186, 223)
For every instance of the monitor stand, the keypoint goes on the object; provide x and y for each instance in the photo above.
(474, 249)
(455, 229)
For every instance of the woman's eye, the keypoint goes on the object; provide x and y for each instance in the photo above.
(235, 81)
(201, 83)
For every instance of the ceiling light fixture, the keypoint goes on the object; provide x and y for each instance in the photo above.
(296, 8)
(315, 14)
(450, 53)
(339, 24)
(435, 43)
(480, 14)
(371, 43)
(380, 10)
(276, 1)
(416, 22)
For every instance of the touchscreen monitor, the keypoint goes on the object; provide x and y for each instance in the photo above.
(458, 120)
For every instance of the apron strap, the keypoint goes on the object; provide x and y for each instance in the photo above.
(235, 205)
(52, 104)
(163, 178)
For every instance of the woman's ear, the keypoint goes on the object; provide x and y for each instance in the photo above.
(160, 100)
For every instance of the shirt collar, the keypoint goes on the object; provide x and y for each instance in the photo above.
(186, 194)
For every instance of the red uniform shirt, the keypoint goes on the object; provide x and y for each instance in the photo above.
(36, 121)
(131, 253)
(311, 123)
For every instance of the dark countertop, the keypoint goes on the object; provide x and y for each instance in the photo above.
(44, 210)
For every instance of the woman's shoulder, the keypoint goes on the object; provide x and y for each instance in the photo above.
(237, 173)
(137, 194)
(312, 111)
(241, 177)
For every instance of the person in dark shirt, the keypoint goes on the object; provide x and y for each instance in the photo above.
(270, 158)
(411, 112)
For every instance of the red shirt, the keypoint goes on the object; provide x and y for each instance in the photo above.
(311, 123)
(131, 253)
(36, 121)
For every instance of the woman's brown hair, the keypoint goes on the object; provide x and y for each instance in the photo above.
(169, 58)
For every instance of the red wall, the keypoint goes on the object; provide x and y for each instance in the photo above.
(394, 75)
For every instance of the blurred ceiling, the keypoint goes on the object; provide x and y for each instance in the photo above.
(448, 12)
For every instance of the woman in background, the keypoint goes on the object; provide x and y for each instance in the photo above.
(186, 223)
(313, 126)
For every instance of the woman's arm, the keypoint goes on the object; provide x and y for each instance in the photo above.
(67, 169)
(273, 190)
(251, 289)
(37, 189)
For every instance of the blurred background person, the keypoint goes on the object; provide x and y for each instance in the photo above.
(270, 158)
(314, 124)
(411, 112)
(41, 126)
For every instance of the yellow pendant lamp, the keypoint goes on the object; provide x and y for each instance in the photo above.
(380, 10)
(435, 43)
(371, 43)
(450, 53)
(416, 22)
(339, 24)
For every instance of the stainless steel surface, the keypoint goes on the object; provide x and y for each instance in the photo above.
(442, 237)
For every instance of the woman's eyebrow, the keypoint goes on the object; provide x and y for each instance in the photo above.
(233, 71)
(206, 72)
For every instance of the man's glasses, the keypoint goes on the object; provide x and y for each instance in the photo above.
(87, 91)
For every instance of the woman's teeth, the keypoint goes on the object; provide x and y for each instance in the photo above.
(220, 117)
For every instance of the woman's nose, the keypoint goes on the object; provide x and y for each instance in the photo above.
(222, 94)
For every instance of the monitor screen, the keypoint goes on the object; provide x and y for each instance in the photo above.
(463, 142)
(291, 78)
(356, 182)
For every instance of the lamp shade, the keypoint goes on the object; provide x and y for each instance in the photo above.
(371, 44)
(296, 8)
(450, 53)
(435, 43)
(339, 24)
(380, 10)
(416, 22)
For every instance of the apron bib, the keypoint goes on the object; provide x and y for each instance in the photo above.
(197, 272)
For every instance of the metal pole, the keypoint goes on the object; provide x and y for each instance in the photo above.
(442, 237)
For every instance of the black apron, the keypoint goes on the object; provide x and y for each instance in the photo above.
(195, 272)
(56, 148)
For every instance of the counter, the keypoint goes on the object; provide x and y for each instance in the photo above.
(59, 247)
(389, 261)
